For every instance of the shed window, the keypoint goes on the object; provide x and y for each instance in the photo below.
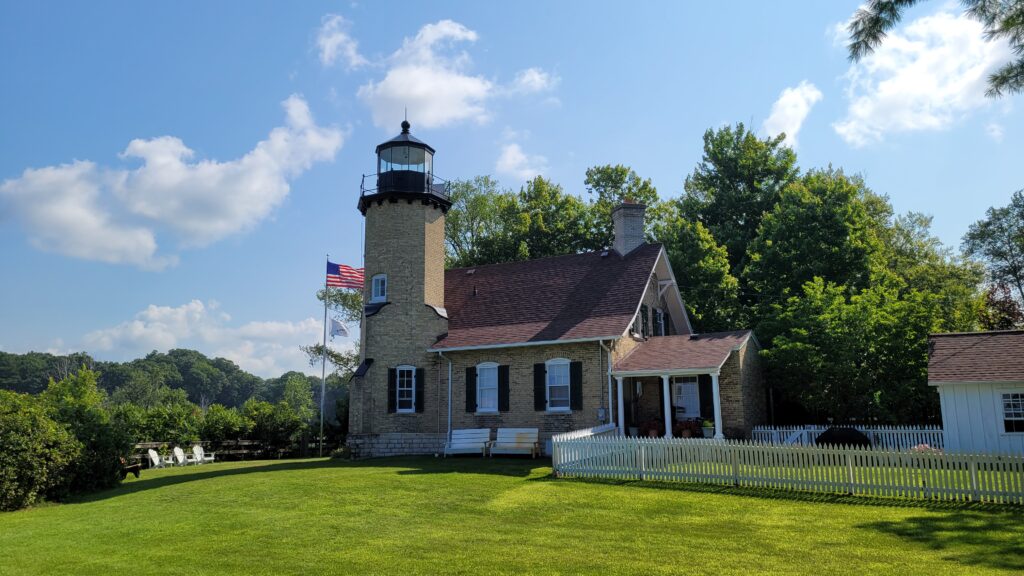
(558, 384)
(1013, 412)
(406, 398)
(487, 387)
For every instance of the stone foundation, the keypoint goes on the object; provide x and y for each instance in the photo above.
(394, 444)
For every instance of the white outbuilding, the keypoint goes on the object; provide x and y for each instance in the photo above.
(980, 379)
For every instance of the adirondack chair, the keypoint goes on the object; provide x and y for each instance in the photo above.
(155, 461)
(181, 459)
(468, 441)
(200, 455)
(516, 441)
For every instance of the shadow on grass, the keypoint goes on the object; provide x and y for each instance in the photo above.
(994, 540)
(404, 465)
(1014, 511)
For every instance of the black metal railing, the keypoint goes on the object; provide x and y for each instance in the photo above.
(404, 181)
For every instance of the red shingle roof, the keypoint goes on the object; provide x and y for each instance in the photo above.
(976, 357)
(682, 352)
(559, 298)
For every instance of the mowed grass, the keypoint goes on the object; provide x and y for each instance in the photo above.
(467, 516)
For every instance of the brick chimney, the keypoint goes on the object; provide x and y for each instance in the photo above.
(628, 226)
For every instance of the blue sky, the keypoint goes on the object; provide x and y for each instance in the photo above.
(172, 175)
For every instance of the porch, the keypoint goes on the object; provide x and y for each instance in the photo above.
(669, 386)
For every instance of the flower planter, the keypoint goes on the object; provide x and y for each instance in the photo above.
(709, 432)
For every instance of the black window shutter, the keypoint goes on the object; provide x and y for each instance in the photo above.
(576, 385)
(471, 389)
(540, 393)
(419, 389)
(392, 390)
(645, 328)
(502, 388)
(707, 401)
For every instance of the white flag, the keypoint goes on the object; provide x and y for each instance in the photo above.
(338, 328)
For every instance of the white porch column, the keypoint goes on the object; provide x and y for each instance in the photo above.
(622, 407)
(668, 405)
(716, 394)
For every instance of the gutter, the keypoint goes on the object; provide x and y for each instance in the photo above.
(523, 344)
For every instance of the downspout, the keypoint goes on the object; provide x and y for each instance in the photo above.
(608, 357)
(441, 356)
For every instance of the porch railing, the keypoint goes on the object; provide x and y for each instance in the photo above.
(922, 474)
(883, 437)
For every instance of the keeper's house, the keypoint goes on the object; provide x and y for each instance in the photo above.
(980, 379)
(557, 343)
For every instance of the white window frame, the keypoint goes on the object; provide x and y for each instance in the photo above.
(412, 389)
(659, 322)
(548, 373)
(490, 367)
(382, 295)
(1003, 412)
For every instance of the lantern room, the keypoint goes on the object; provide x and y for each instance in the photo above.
(405, 169)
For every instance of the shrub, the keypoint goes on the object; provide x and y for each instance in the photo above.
(275, 425)
(222, 424)
(176, 423)
(35, 452)
(77, 403)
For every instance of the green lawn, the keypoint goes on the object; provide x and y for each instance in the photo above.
(431, 516)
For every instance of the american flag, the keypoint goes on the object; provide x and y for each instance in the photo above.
(342, 276)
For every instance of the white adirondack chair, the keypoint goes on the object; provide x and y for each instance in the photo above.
(516, 441)
(156, 461)
(181, 458)
(468, 441)
(200, 455)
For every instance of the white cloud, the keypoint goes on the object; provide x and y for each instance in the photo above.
(514, 162)
(265, 348)
(335, 43)
(790, 111)
(995, 131)
(112, 214)
(425, 77)
(534, 80)
(925, 76)
(60, 209)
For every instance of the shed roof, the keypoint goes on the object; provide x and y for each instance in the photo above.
(562, 298)
(976, 357)
(680, 353)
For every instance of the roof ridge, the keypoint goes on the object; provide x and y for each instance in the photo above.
(978, 333)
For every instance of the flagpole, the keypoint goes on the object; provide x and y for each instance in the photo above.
(323, 365)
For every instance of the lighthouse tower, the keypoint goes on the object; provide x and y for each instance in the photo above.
(396, 402)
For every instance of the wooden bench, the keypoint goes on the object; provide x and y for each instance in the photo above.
(468, 441)
(516, 441)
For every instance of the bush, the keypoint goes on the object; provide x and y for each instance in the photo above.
(176, 424)
(35, 452)
(222, 424)
(275, 425)
(77, 403)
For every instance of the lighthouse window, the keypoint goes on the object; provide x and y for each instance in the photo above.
(379, 288)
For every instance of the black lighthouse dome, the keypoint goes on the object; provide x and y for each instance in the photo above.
(405, 171)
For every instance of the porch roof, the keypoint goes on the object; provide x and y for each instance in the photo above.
(686, 354)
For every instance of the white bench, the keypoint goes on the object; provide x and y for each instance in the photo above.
(516, 441)
(468, 441)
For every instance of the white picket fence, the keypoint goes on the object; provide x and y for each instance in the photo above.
(929, 475)
(602, 430)
(884, 437)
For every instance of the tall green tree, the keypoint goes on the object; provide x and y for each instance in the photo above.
(738, 181)
(1002, 19)
(702, 266)
(474, 218)
(998, 241)
(820, 227)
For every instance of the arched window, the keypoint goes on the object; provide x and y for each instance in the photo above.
(487, 387)
(558, 385)
(405, 389)
(379, 288)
